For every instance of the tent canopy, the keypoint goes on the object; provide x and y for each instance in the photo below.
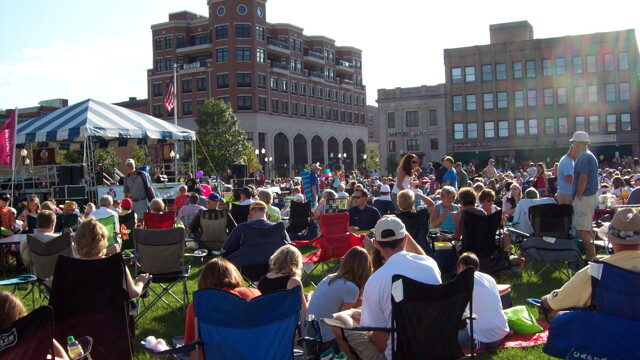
(92, 118)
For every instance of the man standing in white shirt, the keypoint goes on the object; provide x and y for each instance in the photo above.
(565, 177)
(105, 211)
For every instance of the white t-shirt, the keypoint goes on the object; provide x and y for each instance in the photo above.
(491, 324)
(376, 298)
(565, 167)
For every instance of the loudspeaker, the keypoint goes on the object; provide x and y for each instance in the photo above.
(239, 171)
(64, 175)
(72, 174)
(70, 192)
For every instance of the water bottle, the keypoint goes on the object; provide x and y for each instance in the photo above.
(74, 349)
(311, 333)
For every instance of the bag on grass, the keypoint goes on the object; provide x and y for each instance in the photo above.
(521, 320)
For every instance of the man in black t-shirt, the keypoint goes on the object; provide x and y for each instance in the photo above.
(191, 182)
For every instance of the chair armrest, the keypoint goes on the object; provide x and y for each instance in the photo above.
(200, 253)
(339, 324)
(517, 232)
(184, 349)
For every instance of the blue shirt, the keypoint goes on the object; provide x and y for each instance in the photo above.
(364, 219)
(565, 167)
(452, 177)
(586, 163)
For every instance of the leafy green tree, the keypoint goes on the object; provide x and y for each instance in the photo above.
(373, 159)
(392, 164)
(108, 158)
(251, 160)
(140, 157)
(221, 137)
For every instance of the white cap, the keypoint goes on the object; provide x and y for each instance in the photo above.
(398, 231)
(298, 198)
(580, 136)
(130, 161)
(635, 178)
(385, 188)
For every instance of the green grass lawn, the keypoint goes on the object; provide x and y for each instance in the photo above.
(161, 322)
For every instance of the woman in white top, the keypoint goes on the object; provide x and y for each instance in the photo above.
(406, 171)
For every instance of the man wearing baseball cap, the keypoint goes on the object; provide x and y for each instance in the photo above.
(585, 189)
(390, 240)
(136, 188)
(634, 197)
(624, 235)
(314, 183)
(383, 203)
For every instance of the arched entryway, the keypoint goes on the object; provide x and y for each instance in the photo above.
(317, 150)
(281, 158)
(300, 156)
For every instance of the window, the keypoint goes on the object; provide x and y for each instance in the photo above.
(199, 103)
(548, 96)
(262, 103)
(520, 128)
(283, 86)
(433, 117)
(533, 126)
(169, 63)
(458, 131)
(201, 84)
(517, 69)
(294, 87)
(200, 39)
(624, 91)
(294, 108)
(392, 146)
(577, 65)
(469, 74)
(501, 71)
(243, 53)
(321, 110)
(592, 93)
(594, 123)
(625, 122)
(561, 66)
(610, 92)
(547, 67)
(244, 102)
(562, 95)
(563, 125)
(623, 61)
(335, 114)
(487, 72)
(223, 81)
(222, 32)
(580, 124)
(591, 63)
(412, 119)
(578, 94)
(487, 101)
(186, 86)
(531, 68)
(274, 84)
(226, 99)
(434, 143)
(303, 89)
(157, 110)
(502, 100)
(608, 62)
(260, 32)
(471, 102)
(456, 75)
(222, 54)
(179, 41)
(532, 97)
(457, 102)
(260, 55)
(335, 95)
(472, 130)
(519, 98)
(285, 106)
(489, 129)
(391, 120)
(243, 31)
(262, 81)
(549, 126)
(187, 107)
(243, 79)
(319, 92)
(157, 89)
(158, 44)
(275, 105)
(611, 122)
(413, 145)
(167, 42)
(327, 94)
(503, 128)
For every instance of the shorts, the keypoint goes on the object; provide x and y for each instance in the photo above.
(583, 212)
(140, 207)
(361, 343)
(563, 198)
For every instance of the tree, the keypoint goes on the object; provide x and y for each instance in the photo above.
(392, 164)
(249, 157)
(139, 156)
(221, 137)
(373, 159)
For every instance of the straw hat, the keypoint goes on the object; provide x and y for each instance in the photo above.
(69, 205)
(623, 229)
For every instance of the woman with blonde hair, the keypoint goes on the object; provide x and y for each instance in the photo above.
(285, 270)
(156, 206)
(445, 210)
(511, 201)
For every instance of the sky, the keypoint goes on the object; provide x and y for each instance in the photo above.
(79, 49)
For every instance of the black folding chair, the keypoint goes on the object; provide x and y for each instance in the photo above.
(30, 337)
(482, 234)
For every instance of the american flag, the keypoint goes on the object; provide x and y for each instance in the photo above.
(170, 99)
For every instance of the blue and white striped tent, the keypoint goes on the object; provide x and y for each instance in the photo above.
(95, 119)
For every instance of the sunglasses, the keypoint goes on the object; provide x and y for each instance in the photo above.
(415, 162)
(356, 197)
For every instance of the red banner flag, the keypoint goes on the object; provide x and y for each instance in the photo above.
(8, 140)
(169, 100)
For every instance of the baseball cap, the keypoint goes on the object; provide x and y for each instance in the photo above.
(385, 189)
(126, 204)
(257, 205)
(636, 177)
(580, 136)
(214, 197)
(390, 228)
(315, 166)
(130, 161)
(298, 198)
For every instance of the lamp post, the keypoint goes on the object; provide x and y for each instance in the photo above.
(267, 161)
(24, 154)
(174, 159)
(364, 157)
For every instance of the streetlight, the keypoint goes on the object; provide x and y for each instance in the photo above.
(24, 154)
(174, 158)
(364, 157)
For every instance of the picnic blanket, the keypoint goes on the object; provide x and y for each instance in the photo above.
(523, 340)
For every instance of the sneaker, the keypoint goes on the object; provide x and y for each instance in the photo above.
(341, 356)
(328, 355)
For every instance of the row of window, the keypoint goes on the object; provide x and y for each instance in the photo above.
(412, 118)
(552, 126)
(194, 40)
(186, 88)
(283, 85)
(528, 68)
(413, 145)
(500, 100)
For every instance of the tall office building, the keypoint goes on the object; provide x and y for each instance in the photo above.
(521, 98)
(299, 97)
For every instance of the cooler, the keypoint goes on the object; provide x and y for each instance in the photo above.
(445, 257)
(505, 295)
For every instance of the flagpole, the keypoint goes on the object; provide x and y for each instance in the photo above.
(175, 119)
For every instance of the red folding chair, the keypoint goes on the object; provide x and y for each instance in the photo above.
(165, 220)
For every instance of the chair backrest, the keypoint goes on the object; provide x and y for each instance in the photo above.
(479, 232)
(164, 220)
(44, 254)
(129, 222)
(299, 215)
(336, 246)
(336, 205)
(417, 224)
(109, 222)
(258, 244)
(214, 228)
(31, 223)
(615, 291)
(66, 221)
(425, 316)
(186, 221)
(28, 337)
(160, 250)
(89, 298)
(233, 328)
(553, 220)
(334, 223)
(240, 213)
(521, 216)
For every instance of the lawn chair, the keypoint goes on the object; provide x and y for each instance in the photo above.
(240, 213)
(89, 299)
(186, 221)
(425, 318)
(66, 223)
(109, 222)
(336, 205)
(213, 227)
(31, 224)
(301, 227)
(611, 330)
(127, 224)
(233, 328)
(417, 224)
(163, 220)
(44, 255)
(482, 234)
(30, 337)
